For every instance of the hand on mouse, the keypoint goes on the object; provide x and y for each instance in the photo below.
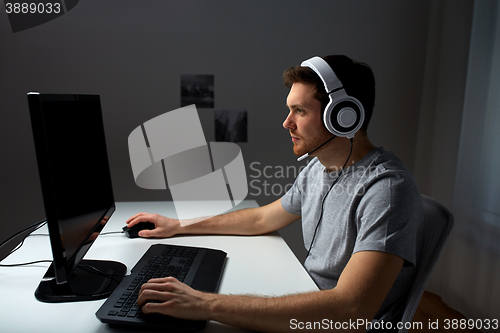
(164, 226)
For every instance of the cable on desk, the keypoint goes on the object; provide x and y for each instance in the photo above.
(99, 272)
(101, 234)
(111, 232)
(25, 263)
(36, 226)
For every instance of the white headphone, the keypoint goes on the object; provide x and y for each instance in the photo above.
(344, 114)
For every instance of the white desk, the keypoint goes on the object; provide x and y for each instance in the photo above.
(262, 265)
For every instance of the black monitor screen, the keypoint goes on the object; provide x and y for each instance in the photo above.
(74, 174)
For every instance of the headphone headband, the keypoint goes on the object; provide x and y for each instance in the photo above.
(325, 72)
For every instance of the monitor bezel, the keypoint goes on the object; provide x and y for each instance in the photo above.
(63, 267)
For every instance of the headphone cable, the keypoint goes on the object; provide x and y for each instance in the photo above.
(324, 199)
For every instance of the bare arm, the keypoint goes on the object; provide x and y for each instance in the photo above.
(253, 221)
(361, 289)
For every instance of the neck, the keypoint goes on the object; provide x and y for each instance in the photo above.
(333, 156)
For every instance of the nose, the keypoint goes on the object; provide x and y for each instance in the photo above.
(289, 124)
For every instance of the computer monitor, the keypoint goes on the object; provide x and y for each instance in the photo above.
(77, 193)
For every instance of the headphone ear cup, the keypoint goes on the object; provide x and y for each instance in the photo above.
(343, 117)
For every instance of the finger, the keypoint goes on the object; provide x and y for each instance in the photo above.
(155, 307)
(162, 284)
(163, 279)
(132, 217)
(140, 217)
(153, 296)
(131, 220)
(149, 233)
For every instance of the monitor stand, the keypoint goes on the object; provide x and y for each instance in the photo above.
(85, 284)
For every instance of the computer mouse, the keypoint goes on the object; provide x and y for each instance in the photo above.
(133, 232)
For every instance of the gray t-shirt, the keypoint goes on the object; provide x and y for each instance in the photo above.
(374, 206)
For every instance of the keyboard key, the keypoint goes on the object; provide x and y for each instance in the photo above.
(132, 314)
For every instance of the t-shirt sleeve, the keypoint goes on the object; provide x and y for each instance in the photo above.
(291, 201)
(389, 215)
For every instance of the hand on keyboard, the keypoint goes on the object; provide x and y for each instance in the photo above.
(193, 273)
(170, 297)
(164, 226)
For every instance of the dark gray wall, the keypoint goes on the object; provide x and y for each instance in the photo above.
(132, 53)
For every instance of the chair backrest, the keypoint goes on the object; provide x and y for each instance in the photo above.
(438, 223)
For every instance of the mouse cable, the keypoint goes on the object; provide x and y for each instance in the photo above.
(111, 232)
(101, 234)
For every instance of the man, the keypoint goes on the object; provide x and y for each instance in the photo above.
(360, 223)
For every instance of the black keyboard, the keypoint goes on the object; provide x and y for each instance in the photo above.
(200, 268)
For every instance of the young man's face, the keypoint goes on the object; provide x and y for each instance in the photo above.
(304, 120)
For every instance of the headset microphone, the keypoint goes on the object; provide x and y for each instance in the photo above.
(312, 151)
